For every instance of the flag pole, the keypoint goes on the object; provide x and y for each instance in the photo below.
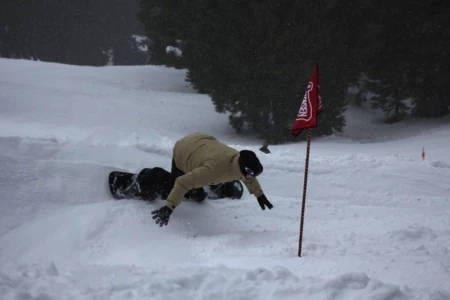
(310, 108)
(305, 184)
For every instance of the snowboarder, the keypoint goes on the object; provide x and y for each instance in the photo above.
(200, 159)
(153, 183)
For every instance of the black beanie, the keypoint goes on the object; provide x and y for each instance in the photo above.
(249, 163)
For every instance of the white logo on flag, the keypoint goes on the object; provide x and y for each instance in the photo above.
(304, 113)
(319, 104)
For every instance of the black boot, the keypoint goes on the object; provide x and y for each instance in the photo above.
(196, 194)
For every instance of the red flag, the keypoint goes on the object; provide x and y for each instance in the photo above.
(311, 105)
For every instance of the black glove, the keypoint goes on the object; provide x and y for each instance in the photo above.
(162, 215)
(262, 200)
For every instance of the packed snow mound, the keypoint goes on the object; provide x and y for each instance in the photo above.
(219, 282)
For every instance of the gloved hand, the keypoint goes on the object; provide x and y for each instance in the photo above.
(162, 215)
(262, 200)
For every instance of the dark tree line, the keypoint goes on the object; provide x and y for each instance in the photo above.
(83, 32)
(408, 56)
(254, 57)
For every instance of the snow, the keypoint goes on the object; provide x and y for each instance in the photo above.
(377, 222)
(141, 42)
(175, 50)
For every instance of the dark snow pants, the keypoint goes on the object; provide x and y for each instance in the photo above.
(155, 183)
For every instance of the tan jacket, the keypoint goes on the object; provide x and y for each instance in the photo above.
(205, 160)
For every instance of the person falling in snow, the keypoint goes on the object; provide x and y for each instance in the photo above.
(200, 159)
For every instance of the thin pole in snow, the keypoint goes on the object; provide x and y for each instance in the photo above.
(305, 184)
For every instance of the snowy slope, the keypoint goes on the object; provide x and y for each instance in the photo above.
(377, 217)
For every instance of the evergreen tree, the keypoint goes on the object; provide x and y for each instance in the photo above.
(254, 58)
(407, 48)
(393, 105)
(74, 32)
(161, 21)
(430, 44)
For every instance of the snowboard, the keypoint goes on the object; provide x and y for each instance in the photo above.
(124, 185)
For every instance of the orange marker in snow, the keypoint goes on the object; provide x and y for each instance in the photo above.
(423, 153)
